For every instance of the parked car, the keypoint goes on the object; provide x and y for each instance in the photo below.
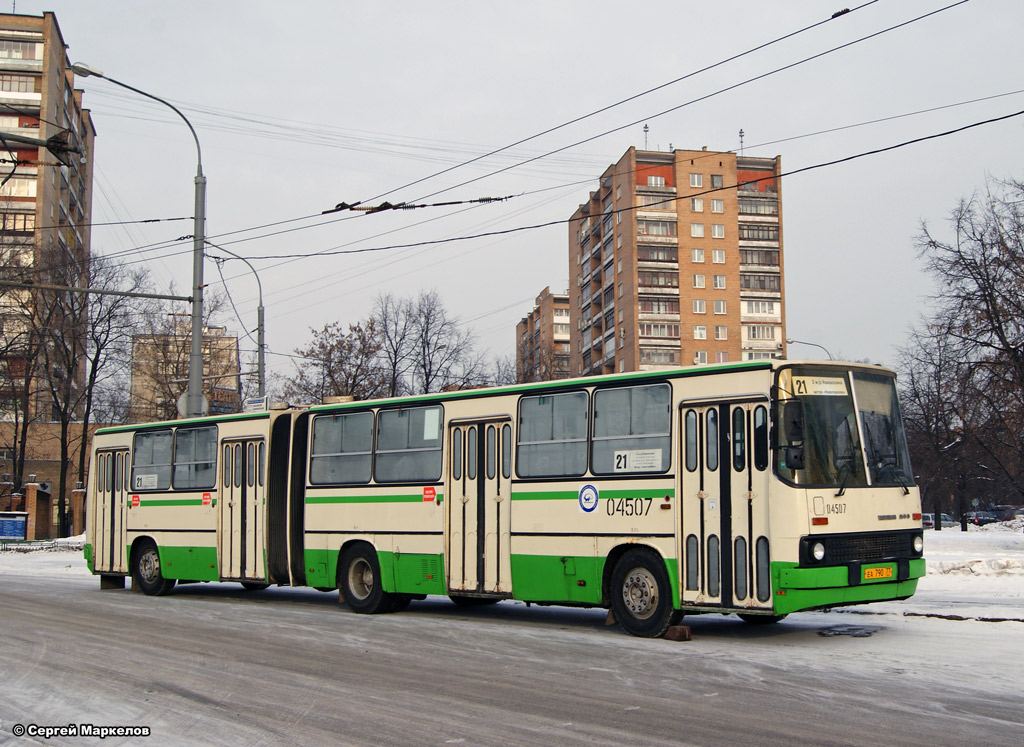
(981, 518)
(1007, 513)
(928, 520)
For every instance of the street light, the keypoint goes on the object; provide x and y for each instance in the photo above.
(261, 370)
(790, 341)
(194, 401)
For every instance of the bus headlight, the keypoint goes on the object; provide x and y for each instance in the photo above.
(918, 544)
(818, 551)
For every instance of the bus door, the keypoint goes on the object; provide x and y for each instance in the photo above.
(479, 507)
(111, 509)
(241, 536)
(724, 492)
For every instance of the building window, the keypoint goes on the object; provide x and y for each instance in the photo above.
(718, 256)
(659, 329)
(719, 307)
(657, 202)
(759, 232)
(698, 281)
(696, 180)
(758, 356)
(721, 332)
(655, 181)
(760, 307)
(759, 282)
(18, 83)
(718, 230)
(655, 254)
(716, 181)
(700, 332)
(719, 281)
(619, 265)
(659, 356)
(697, 205)
(760, 332)
(700, 357)
(658, 305)
(20, 50)
(620, 290)
(721, 357)
(767, 257)
(655, 279)
(697, 255)
(699, 306)
(697, 230)
(758, 207)
(718, 206)
(656, 228)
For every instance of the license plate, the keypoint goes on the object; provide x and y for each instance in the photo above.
(871, 574)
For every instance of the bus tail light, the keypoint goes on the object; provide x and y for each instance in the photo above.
(819, 521)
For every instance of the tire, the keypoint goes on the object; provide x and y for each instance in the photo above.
(400, 602)
(760, 619)
(464, 601)
(360, 582)
(641, 595)
(146, 571)
(254, 585)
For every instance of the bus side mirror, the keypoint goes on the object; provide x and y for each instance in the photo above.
(794, 457)
(793, 415)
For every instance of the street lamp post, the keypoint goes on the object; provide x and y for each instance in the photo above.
(261, 369)
(790, 341)
(194, 399)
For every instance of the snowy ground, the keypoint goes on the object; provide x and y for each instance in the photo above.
(977, 574)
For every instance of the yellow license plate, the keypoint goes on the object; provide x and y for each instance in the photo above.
(870, 574)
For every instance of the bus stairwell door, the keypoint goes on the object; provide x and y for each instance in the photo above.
(479, 509)
(111, 511)
(724, 491)
(241, 538)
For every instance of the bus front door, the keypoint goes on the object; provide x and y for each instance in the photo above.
(110, 511)
(479, 509)
(724, 489)
(241, 536)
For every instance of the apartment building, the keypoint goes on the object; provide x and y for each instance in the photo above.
(542, 339)
(160, 372)
(676, 260)
(45, 214)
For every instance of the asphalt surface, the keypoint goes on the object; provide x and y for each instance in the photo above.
(212, 664)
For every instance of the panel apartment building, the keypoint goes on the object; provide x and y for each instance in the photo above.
(542, 339)
(45, 207)
(677, 260)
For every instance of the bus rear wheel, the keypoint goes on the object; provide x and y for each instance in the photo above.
(360, 582)
(146, 571)
(641, 596)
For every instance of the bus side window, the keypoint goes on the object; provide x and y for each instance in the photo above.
(101, 482)
(712, 448)
(492, 451)
(739, 440)
(761, 438)
(506, 451)
(691, 440)
(471, 453)
(227, 466)
(457, 454)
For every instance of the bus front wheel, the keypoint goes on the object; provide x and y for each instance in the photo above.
(641, 596)
(360, 582)
(146, 571)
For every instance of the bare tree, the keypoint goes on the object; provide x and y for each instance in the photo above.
(337, 363)
(963, 370)
(443, 355)
(393, 320)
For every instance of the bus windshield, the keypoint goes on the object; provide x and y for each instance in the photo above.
(852, 431)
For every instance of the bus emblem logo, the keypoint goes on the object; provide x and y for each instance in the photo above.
(588, 498)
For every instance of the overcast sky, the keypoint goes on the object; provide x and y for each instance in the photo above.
(300, 106)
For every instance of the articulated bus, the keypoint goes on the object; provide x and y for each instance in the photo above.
(758, 488)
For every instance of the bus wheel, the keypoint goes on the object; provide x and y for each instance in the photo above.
(359, 581)
(760, 619)
(146, 571)
(254, 586)
(641, 596)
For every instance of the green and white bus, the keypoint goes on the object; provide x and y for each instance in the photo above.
(758, 488)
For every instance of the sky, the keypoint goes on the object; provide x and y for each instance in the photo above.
(301, 106)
